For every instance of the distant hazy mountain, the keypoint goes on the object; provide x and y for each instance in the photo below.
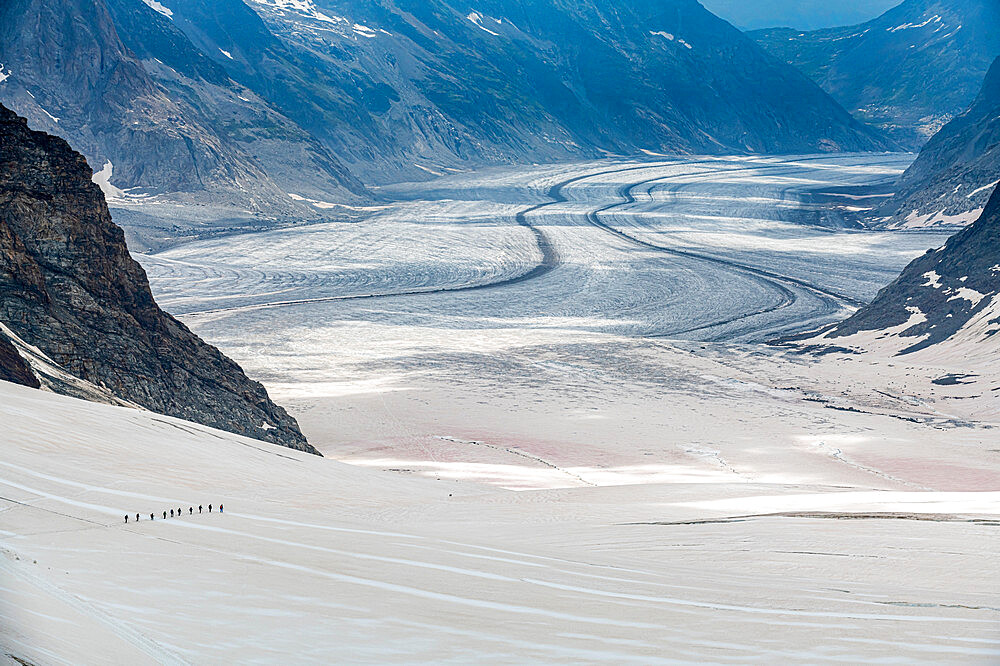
(951, 294)
(251, 102)
(907, 72)
(956, 171)
(146, 124)
(801, 14)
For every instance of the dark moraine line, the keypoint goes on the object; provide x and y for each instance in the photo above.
(832, 301)
(550, 257)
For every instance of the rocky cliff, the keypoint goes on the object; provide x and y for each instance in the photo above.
(953, 177)
(13, 368)
(69, 287)
(949, 294)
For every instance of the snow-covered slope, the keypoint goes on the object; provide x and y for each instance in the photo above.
(314, 561)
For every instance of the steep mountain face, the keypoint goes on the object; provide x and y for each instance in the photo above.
(174, 125)
(13, 368)
(950, 294)
(952, 178)
(801, 14)
(69, 287)
(397, 88)
(908, 71)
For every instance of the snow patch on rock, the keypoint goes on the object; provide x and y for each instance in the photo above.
(670, 38)
(103, 180)
(477, 19)
(159, 8)
(911, 26)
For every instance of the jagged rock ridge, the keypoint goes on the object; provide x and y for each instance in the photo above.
(953, 177)
(69, 287)
(947, 293)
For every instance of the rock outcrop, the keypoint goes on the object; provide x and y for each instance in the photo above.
(69, 287)
(948, 294)
(954, 175)
(13, 368)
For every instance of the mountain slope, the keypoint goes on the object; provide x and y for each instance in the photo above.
(952, 178)
(145, 124)
(69, 287)
(948, 295)
(931, 57)
(397, 87)
(802, 14)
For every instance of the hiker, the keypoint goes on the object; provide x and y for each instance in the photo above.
(210, 508)
(136, 517)
(220, 508)
(151, 516)
(171, 513)
(199, 508)
(126, 519)
(164, 515)
(190, 510)
(178, 512)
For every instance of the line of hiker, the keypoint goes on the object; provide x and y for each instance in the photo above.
(178, 514)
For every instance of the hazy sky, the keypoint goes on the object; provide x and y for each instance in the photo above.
(803, 14)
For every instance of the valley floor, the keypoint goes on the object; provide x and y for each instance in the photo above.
(566, 440)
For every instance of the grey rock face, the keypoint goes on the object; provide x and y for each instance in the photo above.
(952, 179)
(69, 287)
(907, 72)
(948, 286)
(164, 131)
(13, 368)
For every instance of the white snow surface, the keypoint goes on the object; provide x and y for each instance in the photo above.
(4, 73)
(320, 561)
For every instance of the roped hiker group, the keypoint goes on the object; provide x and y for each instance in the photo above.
(178, 514)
